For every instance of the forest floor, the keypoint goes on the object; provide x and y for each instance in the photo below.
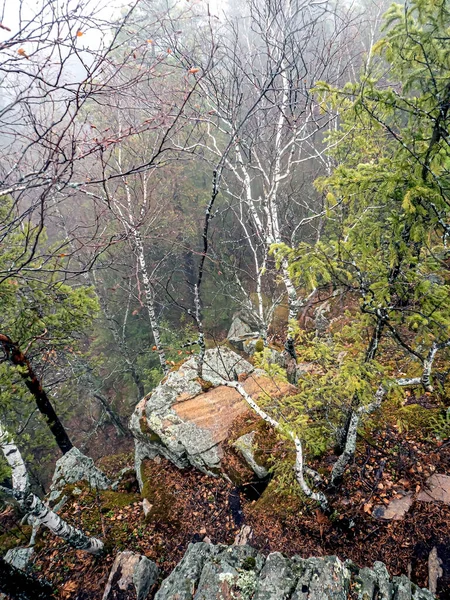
(188, 506)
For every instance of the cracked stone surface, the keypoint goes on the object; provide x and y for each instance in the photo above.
(131, 577)
(186, 423)
(75, 467)
(209, 572)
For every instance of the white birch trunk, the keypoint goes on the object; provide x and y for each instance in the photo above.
(33, 506)
(150, 302)
(299, 466)
(350, 443)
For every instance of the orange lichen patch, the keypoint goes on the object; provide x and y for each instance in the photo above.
(218, 408)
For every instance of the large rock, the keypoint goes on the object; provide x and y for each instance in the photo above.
(131, 577)
(245, 445)
(19, 557)
(242, 330)
(186, 419)
(75, 467)
(210, 572)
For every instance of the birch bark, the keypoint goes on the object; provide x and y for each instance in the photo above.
(33, 506)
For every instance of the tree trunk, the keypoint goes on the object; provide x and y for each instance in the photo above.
(17, 358)
(32, 505)
(114, 417)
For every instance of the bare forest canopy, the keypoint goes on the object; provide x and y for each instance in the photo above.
(170, 168)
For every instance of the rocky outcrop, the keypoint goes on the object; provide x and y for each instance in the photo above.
(210, 572)
(131, 577)
(186, 419)
(245, 445)
(75, 467)
(242, 332)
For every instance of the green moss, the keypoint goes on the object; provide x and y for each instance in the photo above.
(111, 500)
(413, 417)
(143, 425)
(145, 428)
(16, 536)
(259, 345)
(159, 496)
(205, 385)
(249, 563)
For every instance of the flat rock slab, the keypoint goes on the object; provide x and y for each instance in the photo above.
(187, 419)
(437, 490)
(395, 510)
(216, 409)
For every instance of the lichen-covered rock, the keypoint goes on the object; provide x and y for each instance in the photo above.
(277, 579)
(75, 467)
(131, 577)
(245, 445)
(19, 557)
(210, 572)
(241, 332)
(183, 581)
(186, 419)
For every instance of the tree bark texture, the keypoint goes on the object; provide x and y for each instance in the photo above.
(17, 358)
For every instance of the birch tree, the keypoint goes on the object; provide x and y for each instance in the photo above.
(31, 505)
(389, 245)
(270, 60)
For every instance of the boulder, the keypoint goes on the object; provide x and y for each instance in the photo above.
(186, 419)
(245, 446)
(75, 467)
(19, 557)
(243, 330)
(131, 577)
(209, 572)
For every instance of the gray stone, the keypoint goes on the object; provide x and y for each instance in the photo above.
(19, 557)
(437, 489)
(245, 446)
(217, 581)
(402, 588)
(244, 536)
(384, 585)
(395, 510)
(321, 578)
(225, 574)
(277, 579)
(75, 467)
(131, 577)
(210, 572)
(366, 584)
(240, 328)
(435, 570)
(182, 582)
